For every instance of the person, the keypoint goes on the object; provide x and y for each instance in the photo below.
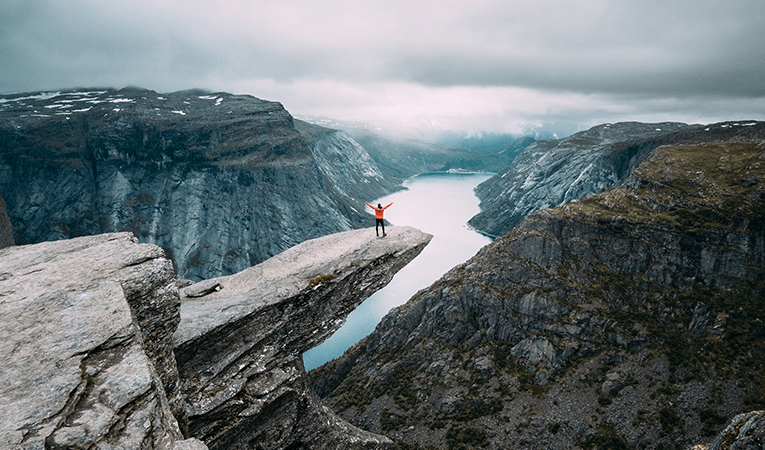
(379, 217)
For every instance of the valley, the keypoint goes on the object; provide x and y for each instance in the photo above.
(630, 318)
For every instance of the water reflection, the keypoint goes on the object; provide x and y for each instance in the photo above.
(439, 204)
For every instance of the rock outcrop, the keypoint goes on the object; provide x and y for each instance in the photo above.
(553, 172)
(86, 346)
(219, 181)
(6, 229)
(745, 432)
(241, 338)
(101, 351)
(631, 318)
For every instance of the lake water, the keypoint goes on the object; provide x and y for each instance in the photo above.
(436, 203)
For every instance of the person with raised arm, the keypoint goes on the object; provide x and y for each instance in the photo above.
(379, 211)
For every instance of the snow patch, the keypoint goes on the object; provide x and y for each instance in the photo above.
(43, 96)
(87, 93)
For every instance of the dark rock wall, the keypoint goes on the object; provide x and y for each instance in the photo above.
(6, 229)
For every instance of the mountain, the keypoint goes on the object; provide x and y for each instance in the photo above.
(632, 318)
(219, 181)
(347, 165)
(552, 172)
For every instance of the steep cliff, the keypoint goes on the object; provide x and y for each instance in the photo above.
(219, 181)
(347, 165)
(629, 319)
(86, 345)
(101, 351)
(552, 172)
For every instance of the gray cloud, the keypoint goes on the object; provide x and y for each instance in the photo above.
(408, 61)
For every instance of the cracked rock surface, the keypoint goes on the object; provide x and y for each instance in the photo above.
(83, 347)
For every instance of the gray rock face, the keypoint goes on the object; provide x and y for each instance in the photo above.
(347, 165)
(219, 181)
(241, 337)
(552, 172)
(85, 345)
(6, 230)
(627, 319)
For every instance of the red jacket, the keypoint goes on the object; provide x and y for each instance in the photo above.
(379, 211)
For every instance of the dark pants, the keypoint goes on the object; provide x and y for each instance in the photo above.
(379, 222)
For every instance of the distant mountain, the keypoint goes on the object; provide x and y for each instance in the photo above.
(487, 142)
(632, 318)
(405, 154)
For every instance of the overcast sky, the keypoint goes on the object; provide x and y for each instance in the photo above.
(462, 65)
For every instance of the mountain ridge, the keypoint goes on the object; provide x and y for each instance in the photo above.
(552, 172)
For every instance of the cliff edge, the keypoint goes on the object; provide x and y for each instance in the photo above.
(102, 350)
(241, 337)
